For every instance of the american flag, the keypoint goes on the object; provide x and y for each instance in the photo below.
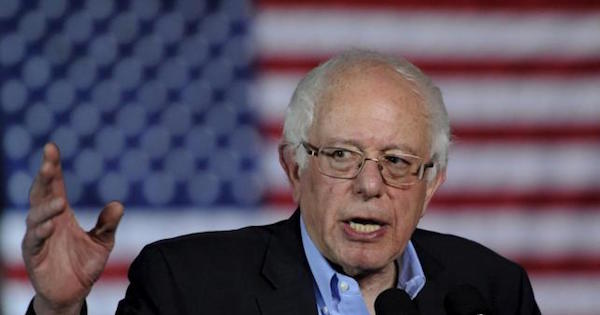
(175, 107)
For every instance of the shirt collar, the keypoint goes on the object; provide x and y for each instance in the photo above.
(320, 268)
(411, 277)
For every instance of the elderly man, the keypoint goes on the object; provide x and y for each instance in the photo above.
(364, 148)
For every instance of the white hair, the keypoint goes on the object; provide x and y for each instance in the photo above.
(300, 112)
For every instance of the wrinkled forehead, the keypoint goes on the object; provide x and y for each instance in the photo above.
(373, 74)
(374, 103)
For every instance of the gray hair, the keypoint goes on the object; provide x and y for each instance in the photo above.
(300, 112)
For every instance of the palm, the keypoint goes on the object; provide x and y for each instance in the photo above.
(70, 260)
(63, 261)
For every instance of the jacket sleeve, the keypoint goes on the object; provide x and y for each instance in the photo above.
(527, 305)
(152, 289)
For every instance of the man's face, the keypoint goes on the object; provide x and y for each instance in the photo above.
(371, 109)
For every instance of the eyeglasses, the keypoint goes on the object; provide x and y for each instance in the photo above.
(398, 170)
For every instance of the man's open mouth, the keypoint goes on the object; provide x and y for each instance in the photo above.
(364, 226)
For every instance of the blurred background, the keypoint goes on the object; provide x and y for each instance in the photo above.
(175, 108)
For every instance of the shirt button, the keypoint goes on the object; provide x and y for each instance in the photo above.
(325, 310)
(344, 286)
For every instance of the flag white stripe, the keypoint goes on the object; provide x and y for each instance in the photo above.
(567, 294)
(553, 166)
(102, 300)
(521, 99)
(520, 233)
(443, 35)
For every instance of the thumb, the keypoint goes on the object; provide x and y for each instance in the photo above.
(106, 226)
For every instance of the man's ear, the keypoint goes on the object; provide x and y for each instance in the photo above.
(432, 187)
(287, 159)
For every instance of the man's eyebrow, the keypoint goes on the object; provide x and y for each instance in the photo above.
(405, 148)
(339, 141)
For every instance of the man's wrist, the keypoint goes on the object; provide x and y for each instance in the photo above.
(39, 306)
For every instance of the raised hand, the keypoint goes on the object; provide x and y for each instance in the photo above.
(63, 261)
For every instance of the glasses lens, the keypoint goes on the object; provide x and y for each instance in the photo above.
(400, 169)
(339, 162)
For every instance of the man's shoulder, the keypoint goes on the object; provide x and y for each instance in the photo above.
(216, 247)
(450, 260)
(240, 239)
(457, 252)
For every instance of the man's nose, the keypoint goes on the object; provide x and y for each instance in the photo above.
(369, 183)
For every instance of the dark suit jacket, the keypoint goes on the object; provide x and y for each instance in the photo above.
(263, 270)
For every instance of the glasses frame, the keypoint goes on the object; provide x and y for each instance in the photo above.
(315, 151)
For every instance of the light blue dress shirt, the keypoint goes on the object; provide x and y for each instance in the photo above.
(338, 294)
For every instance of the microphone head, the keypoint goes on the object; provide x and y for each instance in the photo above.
(465, 299)
(394, 302)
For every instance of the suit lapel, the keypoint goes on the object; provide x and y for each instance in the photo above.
(431, 298)
(286, 269)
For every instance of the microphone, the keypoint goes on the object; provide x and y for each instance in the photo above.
(394, 302)
(465, 299)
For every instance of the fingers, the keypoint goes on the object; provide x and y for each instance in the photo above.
(44, 230)
(34, 238)
(40, 225)
(48, 183)
(106, 226)
(44, 212)
(47, 198)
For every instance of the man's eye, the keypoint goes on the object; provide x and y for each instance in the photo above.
(397, 161)
(338, 154)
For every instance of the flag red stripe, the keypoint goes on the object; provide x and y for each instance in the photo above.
(539, 66)
(564, 265)
(515, 133)
(579, 200)
(113, 271)
(117, 271)
(469, 5)
(535, 199)
(528, 133)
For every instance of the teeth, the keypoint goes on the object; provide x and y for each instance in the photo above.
(364, 228)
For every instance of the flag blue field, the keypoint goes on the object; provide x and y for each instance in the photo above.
(175, 108)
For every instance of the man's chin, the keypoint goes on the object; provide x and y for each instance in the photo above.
(363, 267)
